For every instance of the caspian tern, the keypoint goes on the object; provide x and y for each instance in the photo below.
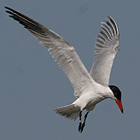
(89, 88)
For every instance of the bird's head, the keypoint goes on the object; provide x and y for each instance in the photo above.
(117, 94)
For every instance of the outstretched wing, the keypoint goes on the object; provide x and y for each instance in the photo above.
(106, 48)
(63, 53)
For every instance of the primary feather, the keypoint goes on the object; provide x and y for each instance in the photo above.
(106, 48)
(63, 53)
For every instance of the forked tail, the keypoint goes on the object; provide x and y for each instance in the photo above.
(70, 111)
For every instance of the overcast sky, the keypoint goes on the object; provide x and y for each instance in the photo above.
(32, 85)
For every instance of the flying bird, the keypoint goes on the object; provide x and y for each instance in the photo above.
(89, 88)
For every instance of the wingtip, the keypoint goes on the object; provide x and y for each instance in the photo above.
(6, 7)
(109, 17)
(115, 24)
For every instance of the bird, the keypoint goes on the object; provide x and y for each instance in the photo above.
(92, 87)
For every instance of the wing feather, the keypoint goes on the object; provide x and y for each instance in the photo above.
(63, 53)
(106, 48)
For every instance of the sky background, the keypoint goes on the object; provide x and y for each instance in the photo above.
(32, 85)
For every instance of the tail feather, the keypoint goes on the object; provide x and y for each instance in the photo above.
(69, 111)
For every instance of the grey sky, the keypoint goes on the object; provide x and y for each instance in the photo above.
(32, 84)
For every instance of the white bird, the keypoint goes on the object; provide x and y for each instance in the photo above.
(89, 88)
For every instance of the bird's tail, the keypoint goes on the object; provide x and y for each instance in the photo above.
(70, 111)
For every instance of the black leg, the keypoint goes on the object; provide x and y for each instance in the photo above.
(80, 121)
(82, 127)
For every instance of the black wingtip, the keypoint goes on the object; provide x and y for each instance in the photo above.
(7, 8)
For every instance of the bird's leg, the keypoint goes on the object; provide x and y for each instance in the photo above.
(82, 127)
(80, 121)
